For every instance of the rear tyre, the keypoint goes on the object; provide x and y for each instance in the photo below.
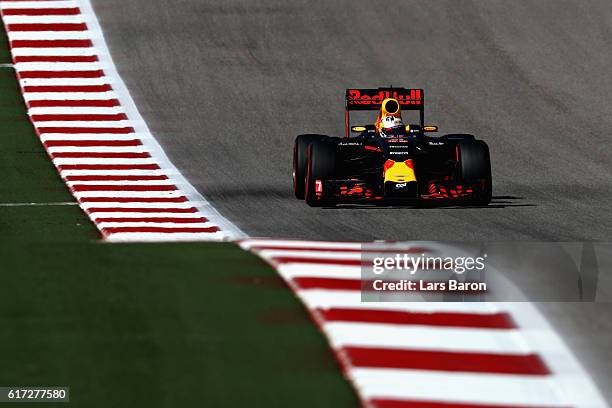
(474, 165)
(300, 158)
(321, 163)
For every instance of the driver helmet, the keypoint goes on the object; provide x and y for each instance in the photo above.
(391, 126)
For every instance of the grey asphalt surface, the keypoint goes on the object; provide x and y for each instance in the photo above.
(226, 85)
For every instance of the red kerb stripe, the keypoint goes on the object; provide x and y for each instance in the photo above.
(415, 250)
(313, 260)
(56, 58)
(126, 177)
(88, 143)
(102, 155)
(328, 283)
(523, 364)
(47, 27)
(61, 74)
(167, 230)
(176, 220)
(390, 403)
(74, 102)
(80, 117)
(151, 166)
(68, 88)
(448, 319)
(119, 187)
(133, 199)
(68, 11)
(75, 130)
(142, 210)
(51, 43)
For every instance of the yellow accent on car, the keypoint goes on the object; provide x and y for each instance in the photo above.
(399, 173)
(390, 106)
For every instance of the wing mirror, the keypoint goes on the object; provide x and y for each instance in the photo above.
(430, 128)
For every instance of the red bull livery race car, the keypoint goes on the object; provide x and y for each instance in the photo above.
(391, 161)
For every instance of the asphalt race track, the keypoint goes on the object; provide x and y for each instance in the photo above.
(225, 86)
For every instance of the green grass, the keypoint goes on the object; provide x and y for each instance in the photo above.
(28, 176)
(140, 325)
(160, 325)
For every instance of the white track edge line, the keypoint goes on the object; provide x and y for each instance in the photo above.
(140, 126)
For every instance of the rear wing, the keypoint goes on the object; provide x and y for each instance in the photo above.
(372, 98)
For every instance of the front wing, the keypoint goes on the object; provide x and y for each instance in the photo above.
(361, 191)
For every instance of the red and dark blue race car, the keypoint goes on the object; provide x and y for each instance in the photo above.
(391, 161)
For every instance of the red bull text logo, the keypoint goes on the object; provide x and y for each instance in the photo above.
(410, 97)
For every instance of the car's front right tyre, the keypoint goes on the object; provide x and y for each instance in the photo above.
(321, 162)
(300, 161)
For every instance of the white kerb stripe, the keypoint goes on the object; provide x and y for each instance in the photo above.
(292, 270)
(68, 19)
(154, 224)
(326, 299)
(157, 236)
(65, 81)
(53, 51)
(90, 205)
(89, 160)
(89, 172)
(36, 4)
(58, 66)
(441, 386)
(453, 339)
(126, 214)
(311, 254)
(90, 136)
(73, 110)
(49, 35)
(129, 194)
(96, 149)
(84, 124)
(122, 183)
(95, 96)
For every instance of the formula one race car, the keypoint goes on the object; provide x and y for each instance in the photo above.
(390, 161)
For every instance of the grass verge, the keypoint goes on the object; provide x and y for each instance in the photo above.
(140, 325)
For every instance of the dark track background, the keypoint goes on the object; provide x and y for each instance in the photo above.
(226, 85)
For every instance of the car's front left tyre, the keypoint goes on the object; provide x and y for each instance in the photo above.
(474, 165)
